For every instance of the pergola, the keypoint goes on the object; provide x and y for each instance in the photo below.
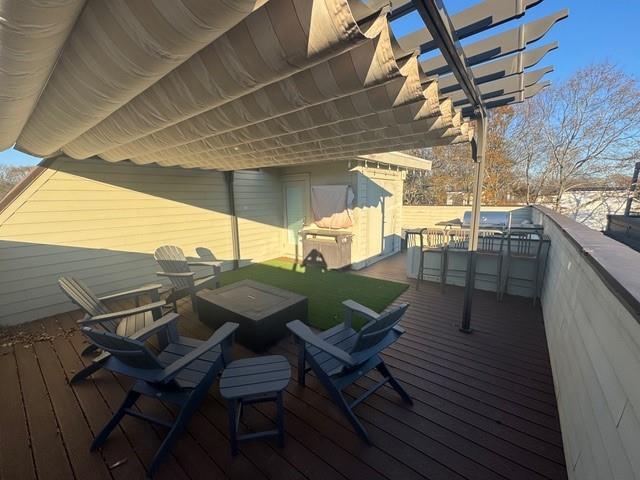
(244, 84)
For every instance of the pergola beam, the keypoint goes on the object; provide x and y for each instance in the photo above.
(475, 19)
(501, 68)
(497, 46)
(511, 98)
(439, 25)
(504, 86)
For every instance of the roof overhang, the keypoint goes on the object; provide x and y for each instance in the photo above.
(253, 83)
(399, 160)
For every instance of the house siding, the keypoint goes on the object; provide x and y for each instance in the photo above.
(429, 215)
(360, 179)
(594, 346)
(101, 222)
(259, 208)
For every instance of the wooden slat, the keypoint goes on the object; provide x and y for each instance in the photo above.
(141, 436)
(484, 405)
(15, 451)
(48, 450)
(97, 414)
(74, 429)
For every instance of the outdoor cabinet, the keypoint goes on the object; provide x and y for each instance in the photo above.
(328, 248)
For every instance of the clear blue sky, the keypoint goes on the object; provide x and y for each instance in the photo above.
(596, 30)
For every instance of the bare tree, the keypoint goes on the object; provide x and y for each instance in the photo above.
(527, 148)
(11, 176)
(586, 127)
(452, 170)
(499, 175)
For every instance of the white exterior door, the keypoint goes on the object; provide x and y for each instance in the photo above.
(382, 218)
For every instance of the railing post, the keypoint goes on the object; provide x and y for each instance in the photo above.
(478, 148)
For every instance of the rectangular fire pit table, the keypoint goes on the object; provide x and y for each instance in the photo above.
(261, 310)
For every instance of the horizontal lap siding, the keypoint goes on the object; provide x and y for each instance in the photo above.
(101, 222)
(594, 345)
(259, 208)
(359, 178)
(430, 215)
(370, 183)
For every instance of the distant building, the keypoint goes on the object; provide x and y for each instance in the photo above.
(590, 205)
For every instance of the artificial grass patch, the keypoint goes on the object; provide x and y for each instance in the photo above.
(325, 289)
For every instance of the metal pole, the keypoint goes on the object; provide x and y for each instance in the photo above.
(478, 148)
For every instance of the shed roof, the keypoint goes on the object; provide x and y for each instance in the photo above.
(243, 84)
(397, 159)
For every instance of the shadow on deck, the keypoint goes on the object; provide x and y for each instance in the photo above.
(484, 406)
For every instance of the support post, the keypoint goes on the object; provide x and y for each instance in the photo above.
(478, 148)
(235, 234)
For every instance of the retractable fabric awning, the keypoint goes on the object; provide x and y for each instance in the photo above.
(234, 84)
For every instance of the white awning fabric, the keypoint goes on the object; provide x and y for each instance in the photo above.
(214, 84)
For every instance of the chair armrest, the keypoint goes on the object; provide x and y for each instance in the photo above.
(176, 274)
(159, 325)
(353, 306)
(123, 313)
(305, 334)
(135, 292)
(222, 334)
(202, 263)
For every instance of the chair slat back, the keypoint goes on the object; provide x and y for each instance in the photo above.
(376, 330)
(131, 352)
(458, 239)
(82, 296)
(524, 244)
(434, 238)
(172, 260)
(490, 241)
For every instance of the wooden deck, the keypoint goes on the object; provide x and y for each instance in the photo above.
(484, 406)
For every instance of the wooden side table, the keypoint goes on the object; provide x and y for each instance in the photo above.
(255, 380)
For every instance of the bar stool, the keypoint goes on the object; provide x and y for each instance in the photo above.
(433, 240)
(491, 244)
(457, 243)
(525, 246)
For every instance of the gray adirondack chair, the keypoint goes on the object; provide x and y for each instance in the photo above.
(175, 266)
(120, 322)
(340, 355)
(181, 373)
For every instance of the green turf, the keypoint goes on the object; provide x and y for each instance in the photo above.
(324, 289)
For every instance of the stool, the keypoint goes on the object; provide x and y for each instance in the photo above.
(255, 380)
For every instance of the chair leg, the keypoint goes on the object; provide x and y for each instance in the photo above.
(181, 421)
(302, 351)
(280, 420)
(233, 434)
(505, 280)
(346, 409)
(128, 402)
(420, 271)
(89, 349)
(499, 278)
(444, 265)
(86, 371)
(385, 372)
(536, 282)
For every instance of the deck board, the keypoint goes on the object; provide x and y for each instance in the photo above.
(484, 405)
